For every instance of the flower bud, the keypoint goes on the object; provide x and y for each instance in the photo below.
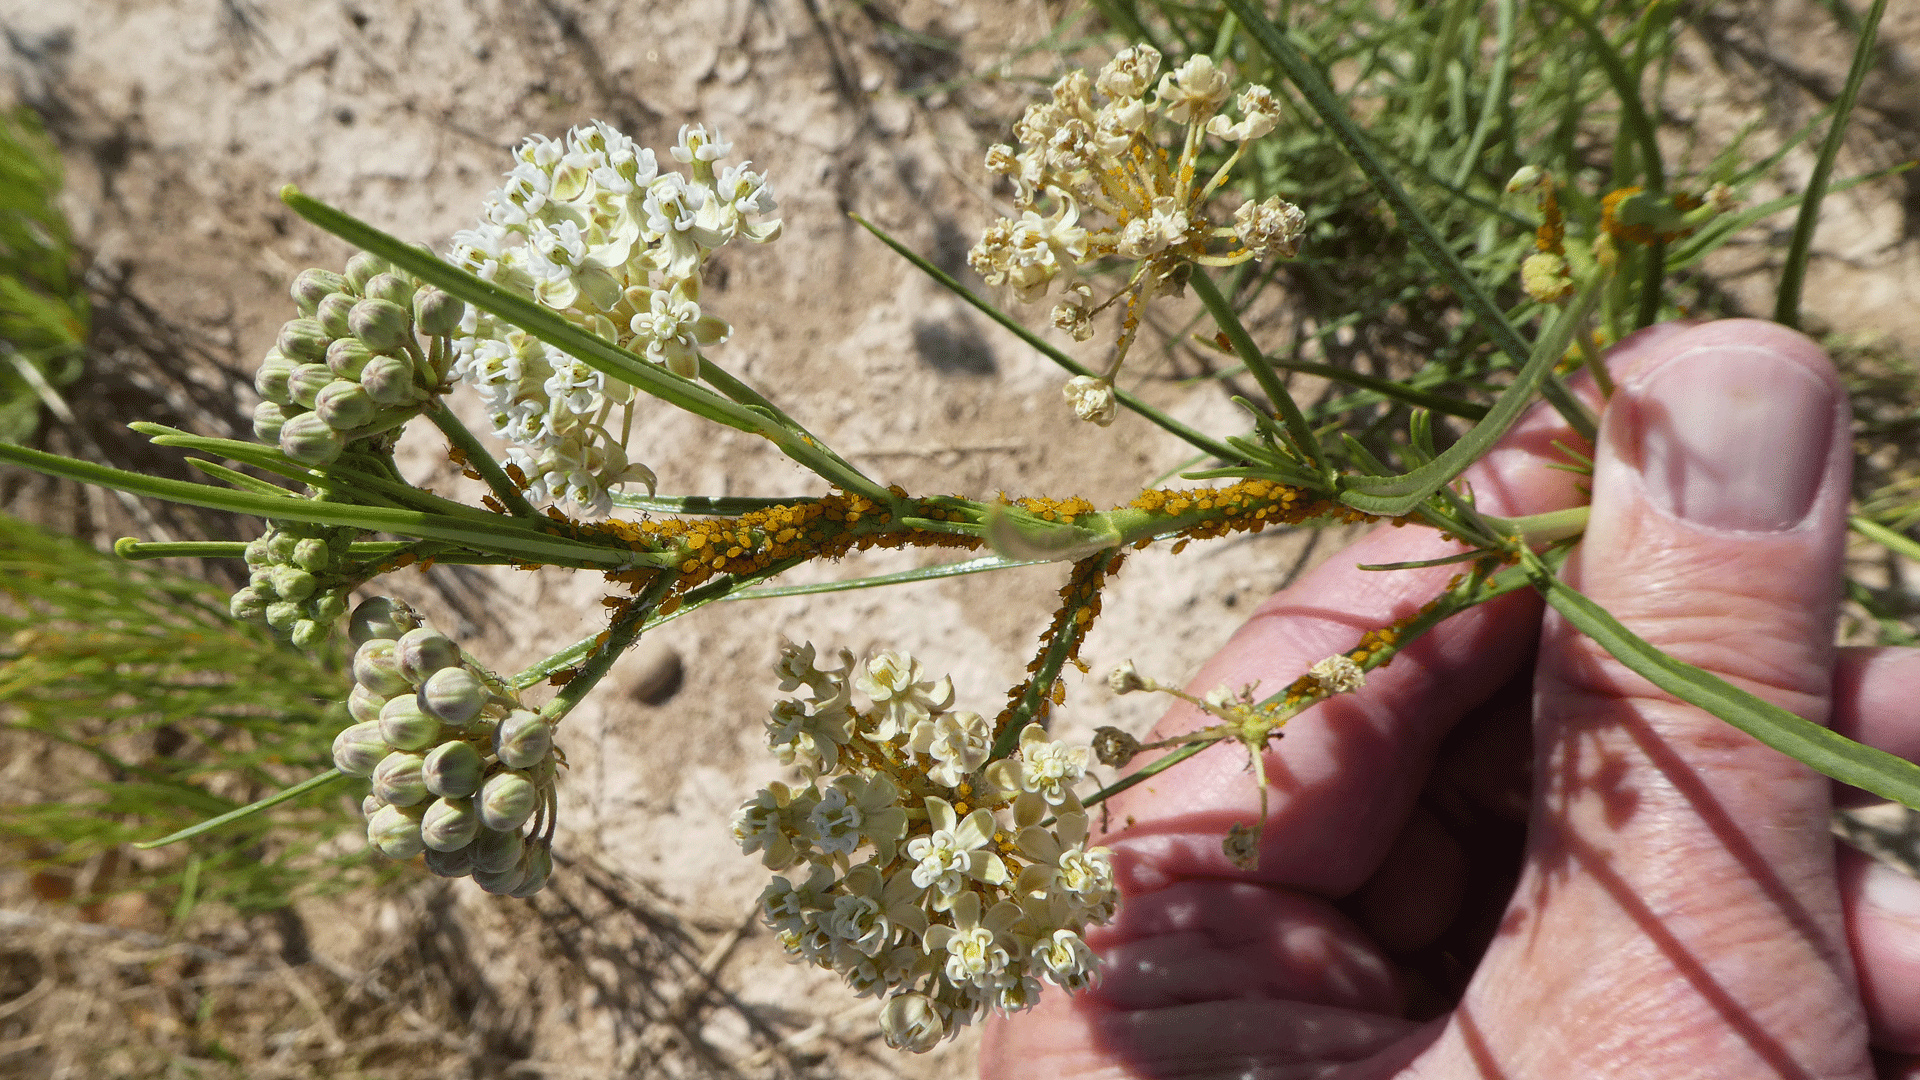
(449, 864)
(358, 750)
(423, 651)
(495, 851)
(453, 769)
(364, 705)
(380, 617)
(390, 287)
(437, 313)
(247, 604)
(332, 315)
(280, 545)
(449, 824)
(305, 382)
(304, 339)
(257, 553)
(282, 614)
(310, 554)
(389, 380)
(344, 405)
(370, 805)
(329, 608)
(395, 831)
(499, 883)
(455, 695)
(523, 739)
(912, 1022)
(362, 268)
(347, 357)
(377, 668)
(397, 778)
(314, 285)
(308, 440)
(405, 726)
(268, 419)
(382, 324)
(536, 866)
(507, 800)
(291, 583)
(271, 378)
(309, 633)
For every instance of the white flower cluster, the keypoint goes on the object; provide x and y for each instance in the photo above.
(1080, 159)
(915, 866)
(591, 227)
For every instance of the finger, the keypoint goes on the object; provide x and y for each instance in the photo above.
(1883, 931)
(1875, 693)
(1343, 779)
(1674, 859)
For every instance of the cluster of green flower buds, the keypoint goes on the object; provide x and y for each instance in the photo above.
(352, 366)
(296, 582)
(459, 769)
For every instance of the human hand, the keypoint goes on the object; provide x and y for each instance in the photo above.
(1680, 907)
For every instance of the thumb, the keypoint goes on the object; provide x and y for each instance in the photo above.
(1678, 910)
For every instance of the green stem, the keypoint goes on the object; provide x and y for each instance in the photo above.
(482, 461)
(1299, 432)
(623, 632)
(831, 466)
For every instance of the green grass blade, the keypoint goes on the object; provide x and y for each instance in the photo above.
(1793, 276)
(925, 573)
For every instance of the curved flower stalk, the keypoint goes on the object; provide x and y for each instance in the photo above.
(1094, 182)
(912, 864)
(591, 227)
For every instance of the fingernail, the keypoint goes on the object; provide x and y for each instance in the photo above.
(1733, 437)
(1892, 892)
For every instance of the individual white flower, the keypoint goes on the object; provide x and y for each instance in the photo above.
(975, 945)
(672, 329)
(857, 810)
(1092, 399)
(1162, 227)
(1194, 91)
(785, 906)
(1270, 228)
(872, 910)
(1074, 313)
(1062, 865)
(957, 742)
(697, 144)
(1259, 114)
(766, 823)
(1045, 768)
(1067, 960)
(951, 852)
(913, 1022)
(1129, 73)
(739, 192)
(807, 735)
(901, 695)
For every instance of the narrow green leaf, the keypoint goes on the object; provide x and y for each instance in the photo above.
(926, 573)
(1793, 275)
(207, 826)
(1395, 495)
(1819, 748)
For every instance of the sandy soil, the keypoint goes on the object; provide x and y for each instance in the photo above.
(181, 120)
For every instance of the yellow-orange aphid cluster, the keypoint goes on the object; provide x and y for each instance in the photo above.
(1079, 606)
(1303, 690)
(1248, 506)
(825, 528)
(1061, 510)
(1641, 234)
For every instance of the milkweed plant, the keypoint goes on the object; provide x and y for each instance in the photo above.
(935, 853)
